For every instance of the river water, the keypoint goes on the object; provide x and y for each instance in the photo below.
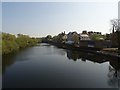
(46, 66)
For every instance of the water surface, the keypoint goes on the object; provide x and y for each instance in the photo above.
(46, 66)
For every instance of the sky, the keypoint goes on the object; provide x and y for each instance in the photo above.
(40, 19)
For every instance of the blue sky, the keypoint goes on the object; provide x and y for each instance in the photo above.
(43, 18)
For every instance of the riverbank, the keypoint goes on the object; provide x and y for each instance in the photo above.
(11, 43)
(93, 50)
(112, 50)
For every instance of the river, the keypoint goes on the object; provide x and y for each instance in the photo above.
(46, 66)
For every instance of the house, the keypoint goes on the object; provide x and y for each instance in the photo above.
(69, 36)
(84, 37)
(75, 38)
(72, 38)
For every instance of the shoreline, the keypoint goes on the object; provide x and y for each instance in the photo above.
(86, 49)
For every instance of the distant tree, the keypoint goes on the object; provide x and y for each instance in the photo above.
(48, 38)
(84, 32)
(22, 40)
(11, 43)
(8, 43)
(39, 40)
(60, 38)
(115, 32)
(55, 39)
(76, 38)
(115, 25)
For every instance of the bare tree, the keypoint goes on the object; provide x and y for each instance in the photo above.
(115, 24)
(116, 32)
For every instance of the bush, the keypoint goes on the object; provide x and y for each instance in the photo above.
(97, 37)
(11, 44)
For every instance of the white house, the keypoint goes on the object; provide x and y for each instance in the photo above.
(70, 38)
(84, 37)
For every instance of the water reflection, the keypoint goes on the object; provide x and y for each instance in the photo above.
(114, 67)
(75, 55)
(114, 63)
(44, 44)
(7, 60)
(47, 49)
(114, 73)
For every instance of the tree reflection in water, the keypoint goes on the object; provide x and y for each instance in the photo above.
(114, 73)
(74, 55)
(114, 67)
(7, 60)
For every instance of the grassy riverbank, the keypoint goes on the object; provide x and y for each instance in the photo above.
(12, 43)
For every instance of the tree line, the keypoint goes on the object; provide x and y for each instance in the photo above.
(12, 43)
(114, 36)
(62, 37)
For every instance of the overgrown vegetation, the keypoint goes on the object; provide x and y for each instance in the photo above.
(11, 43)
(97, 37)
